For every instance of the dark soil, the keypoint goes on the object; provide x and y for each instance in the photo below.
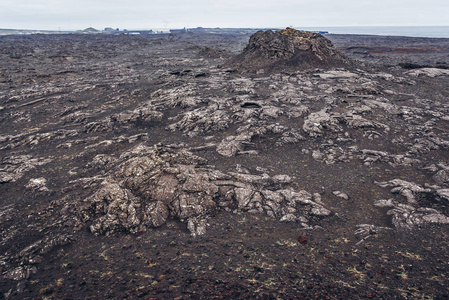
(246, 256)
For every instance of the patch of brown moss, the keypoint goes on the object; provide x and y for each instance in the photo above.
(298, 33)
(289, 31)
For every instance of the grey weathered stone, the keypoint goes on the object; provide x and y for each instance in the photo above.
(289, 218)
(38, 185)
(316, 122)
(151, 185)
(441, 177)
(232, 145)
(384, 203)
(405, 188)
(431, 72)
(443, 193)
(341, 195)
(410, 215)
(333, 74)
(13, 168)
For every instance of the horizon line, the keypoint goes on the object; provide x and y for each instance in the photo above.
(258, 27)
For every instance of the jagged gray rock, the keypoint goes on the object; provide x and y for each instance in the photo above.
(431, 72)
(316, 122)
(37, 185)
(410, 215)
(154, 184)
(441, 177)
(14, 167)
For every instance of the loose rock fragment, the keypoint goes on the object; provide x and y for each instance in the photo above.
(341, 195)
(38, 185)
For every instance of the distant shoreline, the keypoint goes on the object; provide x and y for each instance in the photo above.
(397, 31)
(407, 31)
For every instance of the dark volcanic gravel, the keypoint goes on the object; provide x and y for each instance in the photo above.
(145, 167)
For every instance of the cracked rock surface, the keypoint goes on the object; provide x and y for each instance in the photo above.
(154, 184)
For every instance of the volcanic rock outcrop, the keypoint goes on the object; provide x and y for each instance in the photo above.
(287, 50)
(154, 184)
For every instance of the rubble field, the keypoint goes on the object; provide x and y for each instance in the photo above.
(282, 164)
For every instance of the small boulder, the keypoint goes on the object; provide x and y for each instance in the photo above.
(341, 195)
(37, 185)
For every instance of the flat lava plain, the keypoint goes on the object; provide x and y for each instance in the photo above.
(158, 167)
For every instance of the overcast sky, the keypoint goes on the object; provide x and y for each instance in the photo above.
(134, 14)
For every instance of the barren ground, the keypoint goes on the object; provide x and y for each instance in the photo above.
(364, 153)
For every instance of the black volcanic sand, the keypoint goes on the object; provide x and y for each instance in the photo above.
(45, 78)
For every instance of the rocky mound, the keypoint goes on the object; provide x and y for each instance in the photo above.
(287, 50)
(154, 184)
